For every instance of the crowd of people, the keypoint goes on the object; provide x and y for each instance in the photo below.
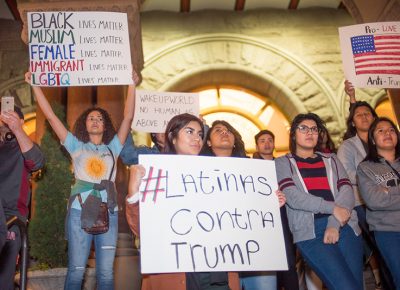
(340, 208)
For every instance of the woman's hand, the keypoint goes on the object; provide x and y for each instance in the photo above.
(350, 91)
(28, 77)
(281, 197)
(136, 173)
(331, 236)
(341, 214)
(135, 77)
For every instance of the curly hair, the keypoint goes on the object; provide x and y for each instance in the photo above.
(238, 147)
(372, 154)
(351, 130)
(295, 123)
(174, 126)
(81, 132)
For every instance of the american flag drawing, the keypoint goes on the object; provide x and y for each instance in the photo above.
(376, 54)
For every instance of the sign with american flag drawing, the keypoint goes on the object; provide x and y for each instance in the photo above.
(371, 54)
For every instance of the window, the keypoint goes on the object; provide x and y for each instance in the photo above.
(248, 112)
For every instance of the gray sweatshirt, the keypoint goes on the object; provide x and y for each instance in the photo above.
(301, 205)
(350, 154)
(380, 189)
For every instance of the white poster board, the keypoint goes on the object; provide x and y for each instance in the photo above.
(371, 54)
(79, 48)
(153, 110)
(209, 214)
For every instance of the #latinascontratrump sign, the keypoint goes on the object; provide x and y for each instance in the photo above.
(201, 214)
(79, 48)
(371, 54)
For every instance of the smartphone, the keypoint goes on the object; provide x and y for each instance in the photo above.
(7, 104)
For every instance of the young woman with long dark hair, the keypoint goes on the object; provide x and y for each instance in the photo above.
(184, 136)
(320, 203)
(94, 147)
(379, 183)
(223, 140)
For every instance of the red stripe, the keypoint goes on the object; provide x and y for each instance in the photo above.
(281, 188)
(386, 42)
(375, 53)
(315, 183)
(376, 58)
(304, 165)
(377, 64)
(23, 198)
(386, 37)
(384, 47)
(285, 180)
(389, 72)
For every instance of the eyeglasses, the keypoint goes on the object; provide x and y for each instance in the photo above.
(305, 129)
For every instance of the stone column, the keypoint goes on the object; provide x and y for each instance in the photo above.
(394, 97)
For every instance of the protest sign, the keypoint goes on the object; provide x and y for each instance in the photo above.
(79, 48)
(371, 54)
(153, 110)
(209, 214)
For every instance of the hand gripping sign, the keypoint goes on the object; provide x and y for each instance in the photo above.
(209, 214)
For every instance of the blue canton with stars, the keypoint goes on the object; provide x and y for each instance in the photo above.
(362, 44)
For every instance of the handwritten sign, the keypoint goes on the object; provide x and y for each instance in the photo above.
(153, 110)
(79, 48)
(371, 54)
(209, 214)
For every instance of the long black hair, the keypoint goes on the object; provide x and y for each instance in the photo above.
(330, 145)
(295, 123)
(238, 146)
(372, 154)
(81, 132)
(351, 130)
(174, 126)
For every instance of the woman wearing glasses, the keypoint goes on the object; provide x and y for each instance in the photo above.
(320, 203)
(379, 180)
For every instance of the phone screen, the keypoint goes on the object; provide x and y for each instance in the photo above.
(7, 104)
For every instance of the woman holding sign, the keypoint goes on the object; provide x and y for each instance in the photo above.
(223, 140)
(184, 135)
(94, 148)
(320, 203)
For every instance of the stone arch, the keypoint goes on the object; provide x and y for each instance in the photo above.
(243, 61)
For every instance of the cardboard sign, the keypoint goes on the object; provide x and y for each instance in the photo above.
(371, 54)
(153, 110)
(202, 214)
(79, 48)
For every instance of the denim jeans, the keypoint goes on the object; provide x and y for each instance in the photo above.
(8, 260)
(339, 265)
(79, 243)
(389, 246)
(258, 280)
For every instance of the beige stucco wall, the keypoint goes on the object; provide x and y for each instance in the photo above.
(291, 57)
